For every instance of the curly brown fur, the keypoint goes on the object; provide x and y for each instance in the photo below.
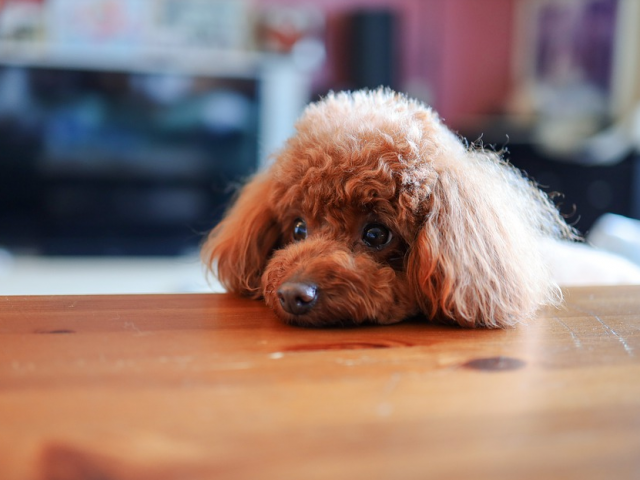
(466, 227)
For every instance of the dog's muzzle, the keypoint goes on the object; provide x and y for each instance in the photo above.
(297, 298)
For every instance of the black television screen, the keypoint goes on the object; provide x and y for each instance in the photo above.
(95, 162)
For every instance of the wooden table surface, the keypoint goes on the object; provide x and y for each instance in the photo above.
(212, 386)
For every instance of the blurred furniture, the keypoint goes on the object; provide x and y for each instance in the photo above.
(213, 386)
(110, 151)
(583, 187)
(586, 191)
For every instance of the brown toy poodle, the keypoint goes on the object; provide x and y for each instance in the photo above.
(375, 212)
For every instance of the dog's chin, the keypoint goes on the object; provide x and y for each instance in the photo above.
(342, 312)
(326, 320)
(307, 322)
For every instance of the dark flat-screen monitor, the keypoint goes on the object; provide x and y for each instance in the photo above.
(116, 163)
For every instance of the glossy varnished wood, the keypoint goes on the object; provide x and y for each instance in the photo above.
(212, 386)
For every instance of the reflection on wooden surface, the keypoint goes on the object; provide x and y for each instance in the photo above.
(212, 386)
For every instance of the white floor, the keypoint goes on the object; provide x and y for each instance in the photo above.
(32, 275)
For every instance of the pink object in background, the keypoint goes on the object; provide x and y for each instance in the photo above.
(474, 77)
(456, 54)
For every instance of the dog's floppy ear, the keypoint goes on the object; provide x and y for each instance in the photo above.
(477, 258)
(238, 248)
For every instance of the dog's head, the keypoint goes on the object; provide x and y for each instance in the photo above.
(374, 212)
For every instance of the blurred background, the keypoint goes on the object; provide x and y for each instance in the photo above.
(126, 125)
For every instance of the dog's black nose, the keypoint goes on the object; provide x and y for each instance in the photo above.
(297, 298)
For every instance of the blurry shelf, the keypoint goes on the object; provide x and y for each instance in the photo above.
(284, 80)
(207, 62)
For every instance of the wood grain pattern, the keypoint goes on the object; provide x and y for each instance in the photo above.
(212, 386)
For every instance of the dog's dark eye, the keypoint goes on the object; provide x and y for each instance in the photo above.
(299, 230)
(376, 236)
